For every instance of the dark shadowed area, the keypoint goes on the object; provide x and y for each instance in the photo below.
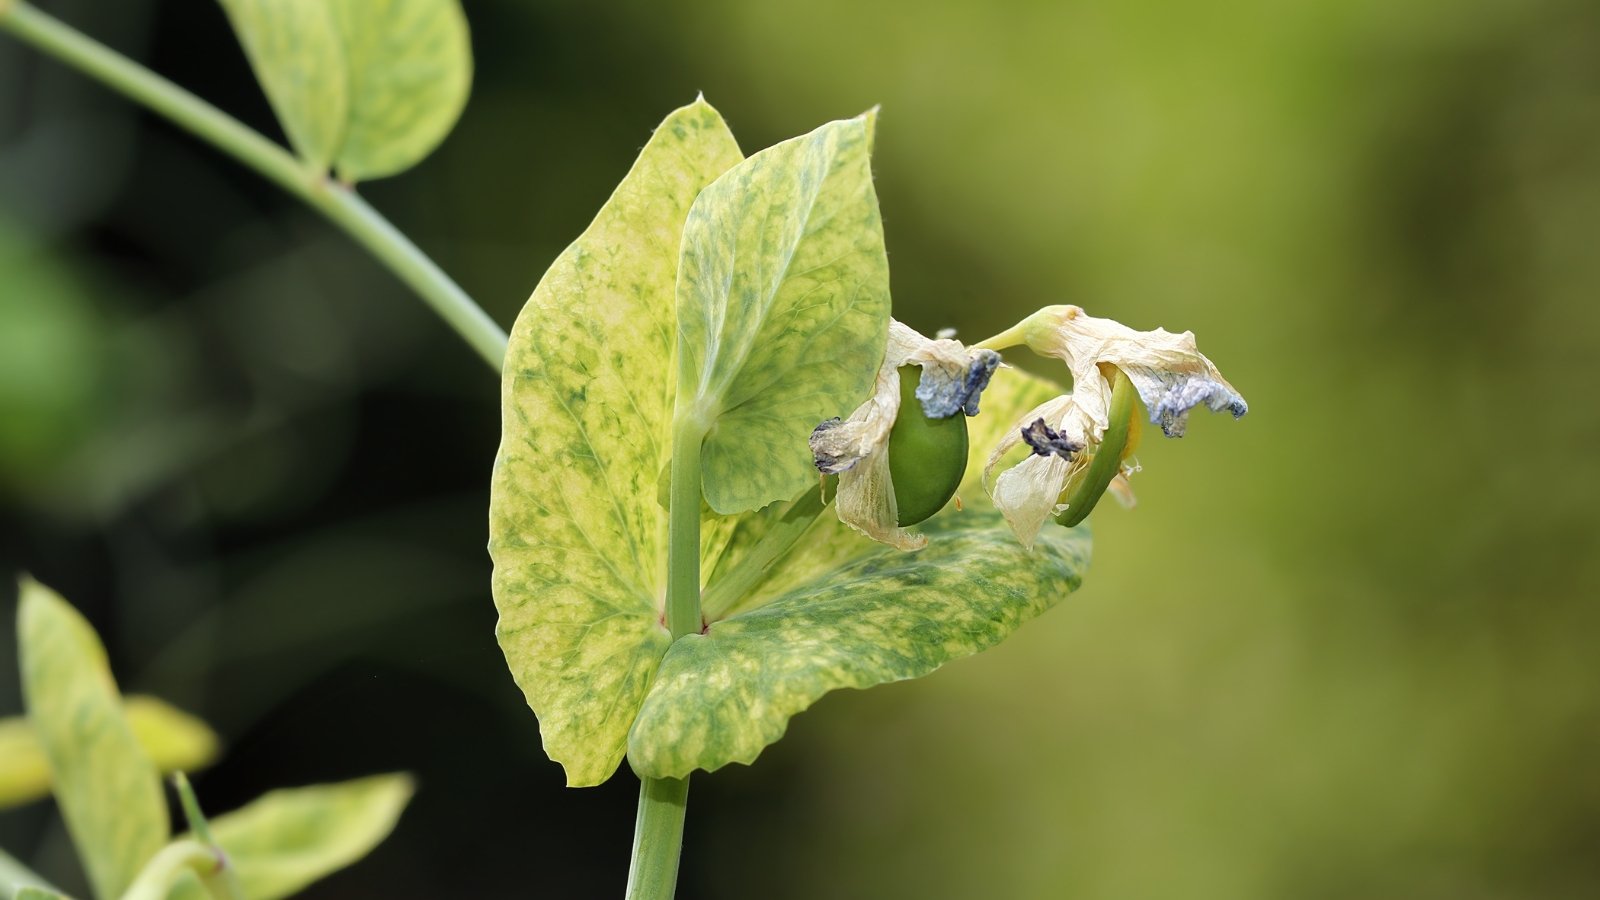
(1344, 648)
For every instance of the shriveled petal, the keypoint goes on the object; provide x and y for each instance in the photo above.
(857, 448)
(1028, 493)
(866, 503)
(1168, 370)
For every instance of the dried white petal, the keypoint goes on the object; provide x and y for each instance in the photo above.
(1028, 493)
(1168, 371)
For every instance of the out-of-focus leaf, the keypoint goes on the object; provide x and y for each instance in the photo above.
(578, 540)
(783, 309)
(24, 771)
(885, 616)
(52, 358)
(108, 790)
(287, 839)
(368, 87)
(16, 879)
(174, 740)
(297, 53)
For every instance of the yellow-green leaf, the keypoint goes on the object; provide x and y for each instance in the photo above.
(297, 53)
(369, 87)
(287, 839)
(24, 771)
(577, 537)
(174, 740)
(410, 68)
(885, 616)
(31, 892)
(843, 611)
(108, 790)
(783, 309)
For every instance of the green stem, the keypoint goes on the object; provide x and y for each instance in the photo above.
(338, 203)
(683, 529)
(223, 881)
(657, 839)
(658, 829)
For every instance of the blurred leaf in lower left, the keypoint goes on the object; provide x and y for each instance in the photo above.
(173, 740)
(108, 790)
(287, 839)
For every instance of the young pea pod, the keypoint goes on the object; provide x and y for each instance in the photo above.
(927, 456)
(1084, 491)
(901, 453)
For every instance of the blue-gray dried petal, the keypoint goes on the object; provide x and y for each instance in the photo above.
(943, 396)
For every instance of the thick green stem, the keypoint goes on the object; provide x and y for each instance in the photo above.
(658, 839)
(338, 203)
(658, 830)
(683, 528)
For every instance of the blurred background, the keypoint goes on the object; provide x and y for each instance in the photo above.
(1344, 648)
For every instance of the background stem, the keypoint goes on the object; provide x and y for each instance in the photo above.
(338, 203)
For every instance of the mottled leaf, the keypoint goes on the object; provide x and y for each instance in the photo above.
(297, 53)
(409, 66)
(108, 790)
(174, 740)
(783, 309)
(843, 611)
(287, 839)
(368, 87)
(577, 537)
(885, 616)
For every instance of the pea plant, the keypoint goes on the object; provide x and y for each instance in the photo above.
(729, 481)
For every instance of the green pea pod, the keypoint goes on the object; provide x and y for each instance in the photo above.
(927, 457)
(1083, 493)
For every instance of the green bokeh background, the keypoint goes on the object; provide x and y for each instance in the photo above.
(1343, 648)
